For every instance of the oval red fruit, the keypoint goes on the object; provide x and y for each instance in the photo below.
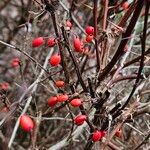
(89, 30)
(62, 98)
(69, 24)
(60, 83)
(15, 62)
(78, 45)
(4, 86)
(37, 42)
(26, 123)
(80, 119)
(97, 135)
(52, 101)
(125, 5)
(51, 42)
(76, 102)
(89, 38)
(55, 60)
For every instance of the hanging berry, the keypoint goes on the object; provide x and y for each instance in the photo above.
(51, 42)
(62, 98)
(125, 5)
(4, 86)
(15, 62)
(37, 42)
(89, 30)
(26, 123)
(80, 119)
(69, 24)
(52, 101)
(97, 135)
(60, 83)
(76, 102)
(89, 38)
(78, 45)
(55, 60)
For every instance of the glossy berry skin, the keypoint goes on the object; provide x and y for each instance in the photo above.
(55, 60)
(37, 42)
(15, 62)
(76, 102)
(26, 123)
(51, 42)
(97, 135)
(4, 86)
(78, 45)
(62, 98)
(80, 119)
(60, 83)
(89, 30)
(69, 24)
(125, 5)
(89, 38)
(52, 101)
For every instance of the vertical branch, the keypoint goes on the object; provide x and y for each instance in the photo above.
(60, 47)
(124, 19)
(123, 43)
(143, 44)
(95, 34)
(105, 15)
(51, 7)
(36, 130)
(74, 61)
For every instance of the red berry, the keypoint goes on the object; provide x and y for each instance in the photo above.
(60, 83)
(69, 24)
(97, 135)
(89, 38)
(78, 45)
(125, 5)
(76, 102)
(26, 123)
(51, 42)
(79, 120)
(15, 62)
(52, 101)
(4, 86)
(62, 98)
(37, 42)
(89, 30)
(118, 133)
(55, 60)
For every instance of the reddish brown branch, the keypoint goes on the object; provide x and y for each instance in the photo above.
(123, 43)
(95, 34)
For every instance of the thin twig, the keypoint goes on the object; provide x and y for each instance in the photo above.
(29, 99)
(143, 42)
(123, 43)
(95, 34)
